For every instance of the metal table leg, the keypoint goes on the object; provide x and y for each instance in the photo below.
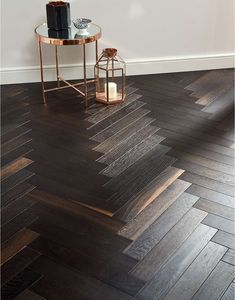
(41, 70)
(85, 75)
(57, 66)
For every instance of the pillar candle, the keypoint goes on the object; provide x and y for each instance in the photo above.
(112, 86)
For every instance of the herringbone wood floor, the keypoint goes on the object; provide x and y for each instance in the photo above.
(134, 201)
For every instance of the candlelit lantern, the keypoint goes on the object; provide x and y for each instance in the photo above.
(110, 71)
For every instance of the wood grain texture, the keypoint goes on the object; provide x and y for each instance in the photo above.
(78, 212)
(211, 195)
(15, 244)
(122, 135)
(139, 202)
(215, 208)
(229, 293)
(219, 223)
(131, 156)
(15, 166)
(136, 226)
(198, 271)
(166, 278)
(18, 263)
(229, 257)
(121, 149)
(71, 284)
(217, 282)
(155, 232)
(224, 238)
(76, 209)
(159, 255)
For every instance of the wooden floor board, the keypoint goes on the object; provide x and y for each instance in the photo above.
(229, 293)
(198, 271)
(219, 223)
(159, 255)
(217, 282)
(150, 192)
(129, 201)
(137, 225)
(166, 278)
(215, 208)
(155, 232)
(224, 238)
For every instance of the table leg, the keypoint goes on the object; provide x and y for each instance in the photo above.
(96, 50)
(41, 70)
(85, 75)
(57, 66)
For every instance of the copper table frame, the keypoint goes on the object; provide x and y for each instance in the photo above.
(61, 42)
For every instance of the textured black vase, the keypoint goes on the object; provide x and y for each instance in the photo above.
(58, 15)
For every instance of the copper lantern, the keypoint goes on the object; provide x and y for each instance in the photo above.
(110, 71)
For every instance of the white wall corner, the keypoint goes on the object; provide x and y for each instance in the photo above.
(134, 67)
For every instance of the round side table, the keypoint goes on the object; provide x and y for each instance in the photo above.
(71, 36)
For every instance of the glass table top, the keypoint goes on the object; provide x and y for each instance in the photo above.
(71, 36)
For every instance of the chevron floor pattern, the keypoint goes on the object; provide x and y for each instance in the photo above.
(134, 201)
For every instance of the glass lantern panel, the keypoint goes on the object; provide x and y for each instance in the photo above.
(110, 85)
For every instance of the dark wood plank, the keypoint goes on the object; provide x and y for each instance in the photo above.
(206, 172)
(28, 295)
(63, 283)
(18, 263)
(12, 210)
(198, 160)
(136, 226)
(198, 271)
(215, 208)
(106, 112)
(131, 181)
(128, 143)
(224, 238)
(211, 195)
(151, 191)
(130, 157)
(19, 283)
(123, 134)
(22, 151)
(229, 257)
(14, 167)
(15, 179)
(18, 223)
(217, 282)
(110, 273)
(16, 243)
(18, 192)
(76, 209)
(155, 232)
(114, 128)
(159, 255)
(219, 223)
(209, 183)
(16, 143)
(166, 278)
(229, 293)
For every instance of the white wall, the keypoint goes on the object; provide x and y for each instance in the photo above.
(152, 36)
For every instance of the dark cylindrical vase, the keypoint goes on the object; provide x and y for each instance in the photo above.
(58, 15)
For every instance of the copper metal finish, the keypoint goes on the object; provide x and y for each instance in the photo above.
(81, 41)
(109, 63)
(72, 41)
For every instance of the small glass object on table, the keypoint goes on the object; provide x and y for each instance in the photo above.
(70, 36)
(110, 71)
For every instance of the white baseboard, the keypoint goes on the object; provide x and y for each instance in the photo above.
(134, 67)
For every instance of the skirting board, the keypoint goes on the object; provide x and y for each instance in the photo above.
(134, 67)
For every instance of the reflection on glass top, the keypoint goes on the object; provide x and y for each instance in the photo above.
(68, 34)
